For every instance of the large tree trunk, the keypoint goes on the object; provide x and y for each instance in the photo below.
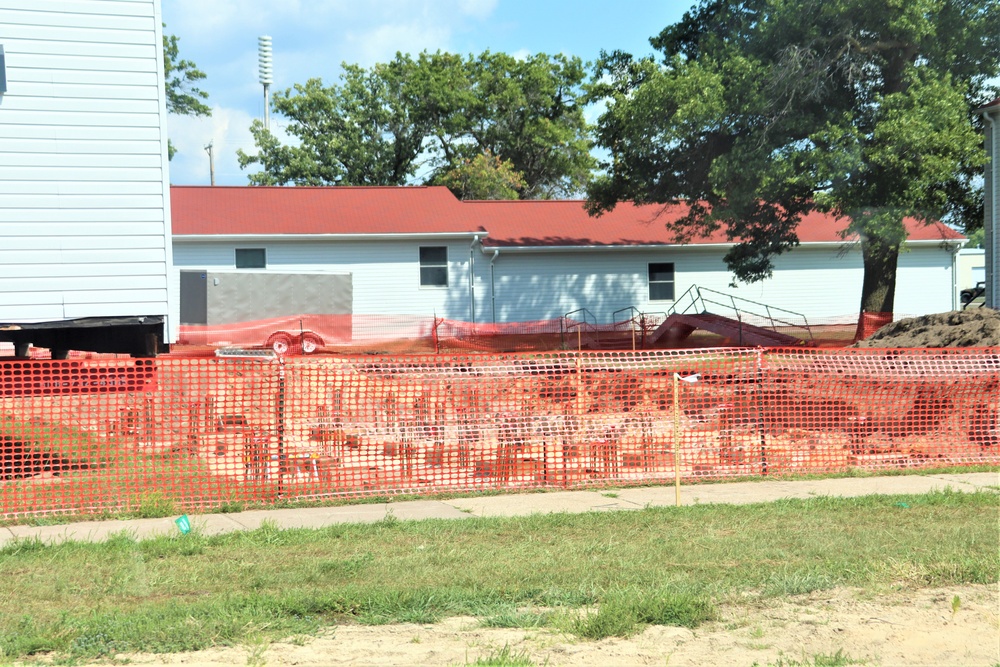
(878, 291)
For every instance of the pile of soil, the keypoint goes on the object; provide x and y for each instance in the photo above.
(973, 327)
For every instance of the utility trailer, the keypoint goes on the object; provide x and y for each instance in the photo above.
(283, 311)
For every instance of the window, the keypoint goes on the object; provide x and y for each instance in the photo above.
(434, 267)
(661, 281)
(251, 258)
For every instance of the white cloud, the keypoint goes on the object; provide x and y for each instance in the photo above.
(383, 42)
(479, 9)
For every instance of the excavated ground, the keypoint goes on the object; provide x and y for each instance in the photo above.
(974, 327)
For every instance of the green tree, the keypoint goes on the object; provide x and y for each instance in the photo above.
(483, 177)
(365, 131)
(764, 110)
(183, 96)
(530, 112)
(437, 112)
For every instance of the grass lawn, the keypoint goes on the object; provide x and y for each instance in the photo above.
(626, 569)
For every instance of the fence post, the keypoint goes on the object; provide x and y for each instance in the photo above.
(281, 422)
(677, 438)
(760, 411)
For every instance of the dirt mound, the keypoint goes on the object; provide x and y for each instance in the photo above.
(974, 327)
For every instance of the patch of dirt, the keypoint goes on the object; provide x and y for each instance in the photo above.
(973, 327)
(921, 627)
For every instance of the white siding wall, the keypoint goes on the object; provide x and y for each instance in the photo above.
(825, 282)
(541, 286)
(386, 274)
(84, 203)
(818, 282)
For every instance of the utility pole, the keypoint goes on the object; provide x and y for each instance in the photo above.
(211, 161)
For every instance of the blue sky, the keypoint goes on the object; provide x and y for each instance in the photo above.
(311, 38)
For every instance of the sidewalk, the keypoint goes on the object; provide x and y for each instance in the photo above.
(733, 493)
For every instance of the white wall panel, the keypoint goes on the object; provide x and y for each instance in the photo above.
(88, 77)
(87, 244)
(81, 91)
(34, 113)
(123, 7)
(40, 309)
(58, 15)
(73, 149)
(95, 194)
(37, 32)
(100, 49)
(94, 161)
(11, 174)
(65, 222)
(143, 137)
(925, 282)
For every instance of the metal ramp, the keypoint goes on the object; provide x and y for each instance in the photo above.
(742, 322)
(678, 327)
(745, 324)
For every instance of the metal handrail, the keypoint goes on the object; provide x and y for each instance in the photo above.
(640, 321)
(740, 308)
(578, 324)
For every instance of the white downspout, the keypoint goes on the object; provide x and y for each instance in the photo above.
(493, 284)
(472, 278)
(954, 275)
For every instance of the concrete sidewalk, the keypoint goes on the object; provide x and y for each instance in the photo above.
(735, 493)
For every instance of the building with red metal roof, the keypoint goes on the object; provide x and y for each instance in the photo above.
(421, 251)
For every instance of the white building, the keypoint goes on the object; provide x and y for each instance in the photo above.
(420, 251)
(84, 194)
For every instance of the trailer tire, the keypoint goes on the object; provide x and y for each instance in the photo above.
(311, 343)
(280, 342)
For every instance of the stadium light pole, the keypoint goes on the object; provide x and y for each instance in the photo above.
(265, 74)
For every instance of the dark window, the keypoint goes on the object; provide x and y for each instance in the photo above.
(251, 258)
(661, 281)
(434, 267)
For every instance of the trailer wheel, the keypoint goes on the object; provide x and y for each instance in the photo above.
(280, 342)
(311, 343)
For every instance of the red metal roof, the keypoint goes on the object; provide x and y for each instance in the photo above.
(566, 223)
(262, 211)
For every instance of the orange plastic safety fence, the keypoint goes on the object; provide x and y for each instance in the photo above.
(869, 323)
(414, 334)
(171, 434)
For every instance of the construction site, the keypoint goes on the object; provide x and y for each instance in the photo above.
(204, 429)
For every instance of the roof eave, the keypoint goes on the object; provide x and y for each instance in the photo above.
(689, 246)
(410, 236)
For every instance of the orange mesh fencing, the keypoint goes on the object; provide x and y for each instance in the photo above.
(171, 434)
(417, 334)
(869, 323)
